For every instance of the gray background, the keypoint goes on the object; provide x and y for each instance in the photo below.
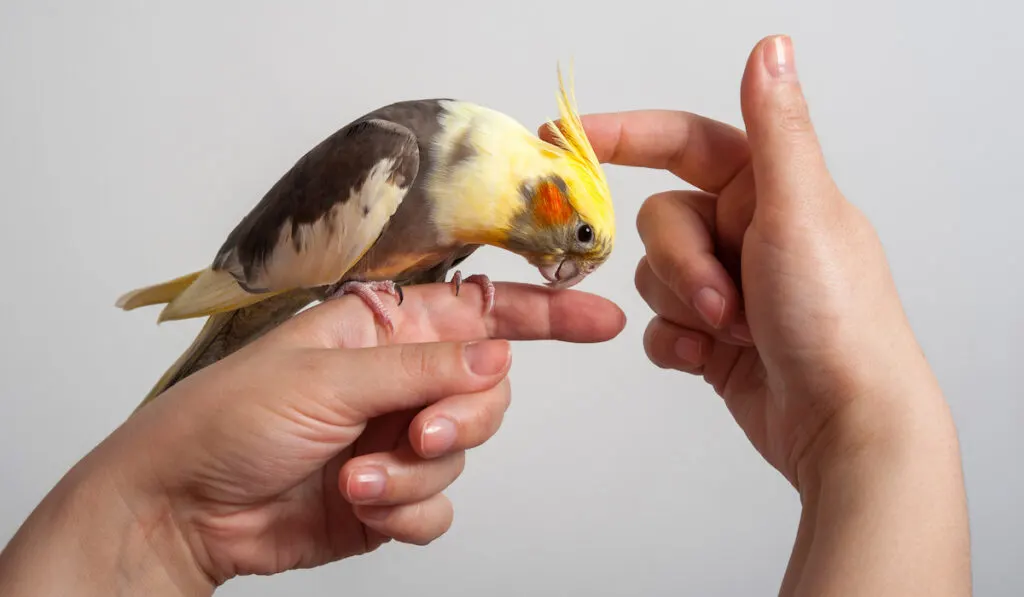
(134, 135)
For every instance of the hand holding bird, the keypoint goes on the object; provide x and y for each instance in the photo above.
(321, 440)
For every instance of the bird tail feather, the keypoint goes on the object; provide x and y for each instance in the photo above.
(206, 292)
(157, 294)
(198, 294)
(213, 326)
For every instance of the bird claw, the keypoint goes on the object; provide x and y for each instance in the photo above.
(481, 280)
(367, 291)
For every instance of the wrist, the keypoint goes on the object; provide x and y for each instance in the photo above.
(884, 504)
(903, 421)
(879, 440)
(91, 536)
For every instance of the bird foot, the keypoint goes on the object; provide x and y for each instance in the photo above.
(481, 280)
(367, 291)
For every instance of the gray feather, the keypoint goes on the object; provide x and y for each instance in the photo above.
(317, 182)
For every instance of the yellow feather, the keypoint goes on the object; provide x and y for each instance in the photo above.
(483, 158)
(156, 294)
(212, 292)
(197, 294)
(477, 198)
(596, 206)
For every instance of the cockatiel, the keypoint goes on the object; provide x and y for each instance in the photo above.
(399, 196)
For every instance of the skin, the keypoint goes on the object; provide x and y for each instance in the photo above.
(767, 282)
(773, 287)
(261, 462)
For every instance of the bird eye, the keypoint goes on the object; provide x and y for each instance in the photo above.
(585, 233)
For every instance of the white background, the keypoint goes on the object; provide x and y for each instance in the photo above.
(134, 135)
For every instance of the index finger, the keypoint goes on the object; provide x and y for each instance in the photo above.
(433, 313)
(531, 312)
(705, 153)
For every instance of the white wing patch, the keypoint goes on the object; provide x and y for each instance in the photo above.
(321, 252)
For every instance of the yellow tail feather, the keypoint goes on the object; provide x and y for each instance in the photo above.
(199, 294)
(158, 294)
(210, 293)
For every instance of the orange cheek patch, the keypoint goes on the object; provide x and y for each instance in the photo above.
(550, 206)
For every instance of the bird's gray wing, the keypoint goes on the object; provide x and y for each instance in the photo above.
(325, 212)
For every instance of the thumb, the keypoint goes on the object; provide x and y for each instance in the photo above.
(371, 382)
(789, 168)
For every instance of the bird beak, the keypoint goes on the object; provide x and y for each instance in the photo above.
(564, 274)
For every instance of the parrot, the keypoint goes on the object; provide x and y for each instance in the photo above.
(399, 196)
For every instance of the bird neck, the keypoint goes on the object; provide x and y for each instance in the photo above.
(483, 158)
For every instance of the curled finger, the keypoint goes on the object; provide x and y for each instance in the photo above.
(419, 523)
(459, 422)
(677, 230)
(666, 304)
(398, 477)
(670, 346)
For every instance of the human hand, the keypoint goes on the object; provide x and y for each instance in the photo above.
(327, 436)
(767, 281)
(772, 286)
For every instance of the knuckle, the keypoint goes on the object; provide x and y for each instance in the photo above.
(430, 522)
(473, 424)
(660, 340)
(658, 294)
(655, 357)
(639, 222)
(458, 464)
(653, 344)
(417, 361)
(482, 422)
(489, 418)
(306, 363)
(792, 115)
(415, 480)
(447, 515)
(643, 215)
(662, 265)
(310, 369)
(640, 275)
(506, 395)
(650, 211)
(676, 276)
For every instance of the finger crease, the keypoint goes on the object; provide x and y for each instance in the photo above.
(617, 145)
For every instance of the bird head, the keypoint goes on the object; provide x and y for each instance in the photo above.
(567, 229)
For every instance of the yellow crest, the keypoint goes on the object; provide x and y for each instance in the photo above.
(596, 204)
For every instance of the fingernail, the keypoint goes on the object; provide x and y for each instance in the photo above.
(438, 436)
(778, 57)
(711, 306)
(366, 484)
(741, 332)
(688, 350)
(488, 357)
